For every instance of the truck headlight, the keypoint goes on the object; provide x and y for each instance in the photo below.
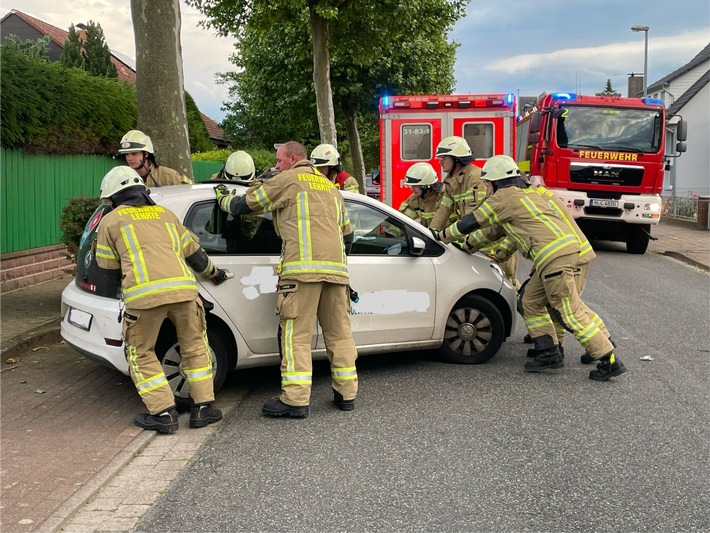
(654, 207)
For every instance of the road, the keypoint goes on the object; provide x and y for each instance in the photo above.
(440, 447)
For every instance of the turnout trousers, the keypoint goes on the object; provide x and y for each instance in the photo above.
(299, 305)
(555, 285)
(140, 333)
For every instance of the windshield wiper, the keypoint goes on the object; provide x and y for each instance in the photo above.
(576, 146)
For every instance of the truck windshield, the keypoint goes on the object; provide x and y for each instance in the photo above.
(609, 128)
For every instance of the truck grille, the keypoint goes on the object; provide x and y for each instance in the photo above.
(630, 176)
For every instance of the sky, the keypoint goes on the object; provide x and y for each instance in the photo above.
(520, 46)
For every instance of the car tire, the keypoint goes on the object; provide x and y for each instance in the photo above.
(474, 331)
(167, 350)
(637, 240)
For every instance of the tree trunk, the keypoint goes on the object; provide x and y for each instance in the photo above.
(321, 79)
(355, 147)
(160, 81)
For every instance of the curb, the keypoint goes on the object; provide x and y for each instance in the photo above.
(45, 333)
(688, 260)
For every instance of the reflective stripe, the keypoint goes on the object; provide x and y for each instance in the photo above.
(178, 247)
(552, 248)
(130, 239)
(151, 383)
(303, 220)
(344, 374)
(538, 321)
(105, 252)
(287, 344)
(447, 201)
(296, 378)
(314, 267)
(454, 231)
(262, 199)
(132, 357)
(353, 188)
(542, 217)
(163, 285)
(198, 374)
(487, 211)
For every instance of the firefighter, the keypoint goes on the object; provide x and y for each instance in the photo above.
(137, 147)
(426, 191)
(326, 158)
(147, 246)
(309, 214)
(531, 218)
(238, 166)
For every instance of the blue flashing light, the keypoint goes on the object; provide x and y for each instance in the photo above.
(652, 101)
(510, 98)
(385, 101)
(564, 96)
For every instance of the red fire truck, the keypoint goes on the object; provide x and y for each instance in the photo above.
(412, 126)
(604, 156)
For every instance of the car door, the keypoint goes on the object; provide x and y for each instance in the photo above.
(396, 289)
(248, 247)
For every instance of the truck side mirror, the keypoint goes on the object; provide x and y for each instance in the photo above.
(535, 122)
(681, 147)
(533, 138)
(682, 131)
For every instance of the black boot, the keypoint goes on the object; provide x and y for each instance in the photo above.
(527, 339)
(532, 352)
(275, 407)
(545, 360)
(343, 405)
(203, 414)
(165, 422)
(609, 366)
(587, 358)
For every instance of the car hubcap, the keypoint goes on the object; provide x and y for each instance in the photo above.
(171, 364)
(468, 331)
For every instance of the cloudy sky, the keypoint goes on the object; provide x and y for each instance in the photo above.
(519, 46)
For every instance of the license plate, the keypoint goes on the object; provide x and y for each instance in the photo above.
(604, 203)
(80, 319)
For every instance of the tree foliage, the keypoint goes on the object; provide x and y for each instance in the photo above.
(198, 135)
(32, 48)
(609, 90)
(90, 53)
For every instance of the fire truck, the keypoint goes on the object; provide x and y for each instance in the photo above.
(604, 157)
(412, 126)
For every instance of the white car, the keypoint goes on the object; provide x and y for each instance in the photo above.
(414, 292)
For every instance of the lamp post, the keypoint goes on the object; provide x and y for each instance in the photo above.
(644, 29)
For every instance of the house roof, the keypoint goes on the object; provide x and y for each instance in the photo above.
(213, 130)
(689, 94)
(699, 59)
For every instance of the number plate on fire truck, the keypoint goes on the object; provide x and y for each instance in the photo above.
(603, 203)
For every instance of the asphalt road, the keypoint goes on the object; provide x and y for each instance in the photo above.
(439, 447)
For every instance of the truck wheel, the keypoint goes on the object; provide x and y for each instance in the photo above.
(167, 350)
(474, 331)
(637, 240)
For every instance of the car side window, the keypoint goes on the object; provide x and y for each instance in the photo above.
(376, 233)
(222, 233)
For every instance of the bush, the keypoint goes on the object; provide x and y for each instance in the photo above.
(73, 220)
(263, 159)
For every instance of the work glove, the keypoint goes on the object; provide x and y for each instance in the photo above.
(223, 194)
(435, 233)
(461, 246)
(220, 277)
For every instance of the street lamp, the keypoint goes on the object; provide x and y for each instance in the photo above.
(644, 29)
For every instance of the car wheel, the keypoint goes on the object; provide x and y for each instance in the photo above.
(167, 350)
(637, 240)
(474, 331)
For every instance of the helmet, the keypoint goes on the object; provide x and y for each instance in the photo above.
(118, 179)
(421, 174)
(325, 155)
(455, 147)
(135, 141)
(239, 166)
(500, 167)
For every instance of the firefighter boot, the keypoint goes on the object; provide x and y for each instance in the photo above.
(532, 352)
(165, 422)
(343, 404)
(275, 407)
(203, 414)
(527, 339)
(587, 358)
(545, 360)
(609, 366)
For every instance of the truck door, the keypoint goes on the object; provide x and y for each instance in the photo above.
(413, 139)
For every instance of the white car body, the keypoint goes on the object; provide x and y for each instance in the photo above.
(407, 282)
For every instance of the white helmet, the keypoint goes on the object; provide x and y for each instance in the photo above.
(453, 146)
(499, 167)
(421, 174)
(325, 155)
(239, 166)
(118, 179)
(135, 141)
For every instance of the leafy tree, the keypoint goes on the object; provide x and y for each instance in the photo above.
(90, 53)
(32, 48)
(608, 90)
(159, 74)
(198, 135)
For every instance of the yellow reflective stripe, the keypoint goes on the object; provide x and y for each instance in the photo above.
(132, 357)
(178, 246)
(185, 239)
(198, 374)
(481, 195)
(447, 201)
(296, 378)
(426, 215)
(314, 267)
(303, 220)
(581, 333)
(487, 211)
(163, 285)
(507, 245)
(344, 373)
(105, 252)
(542, 217)
(538, 321)
(353, 188)
(151, 383)
(135, 253)
(262, 199)
(552, 248)
(454, 231)
(287, 344)
(584, 246)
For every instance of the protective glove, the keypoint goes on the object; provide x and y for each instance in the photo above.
(435, 233)
(220, 276)
(222, 192)
(461, 246)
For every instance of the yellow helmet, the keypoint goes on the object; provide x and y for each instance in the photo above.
(239, 166)
(421, 174)
(135, 141)
(455, 147)
(500, 167)
(118, 179)
(325, 155)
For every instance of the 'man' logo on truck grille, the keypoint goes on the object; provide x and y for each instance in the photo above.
(606, 173)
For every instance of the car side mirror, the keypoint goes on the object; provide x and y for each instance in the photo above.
(418, 246)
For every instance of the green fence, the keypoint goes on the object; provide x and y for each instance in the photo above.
(35, 188)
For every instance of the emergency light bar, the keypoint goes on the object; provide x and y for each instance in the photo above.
(652, 101)
(447, 101)
(564, 96)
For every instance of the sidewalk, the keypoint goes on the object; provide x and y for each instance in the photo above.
(75, 442)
